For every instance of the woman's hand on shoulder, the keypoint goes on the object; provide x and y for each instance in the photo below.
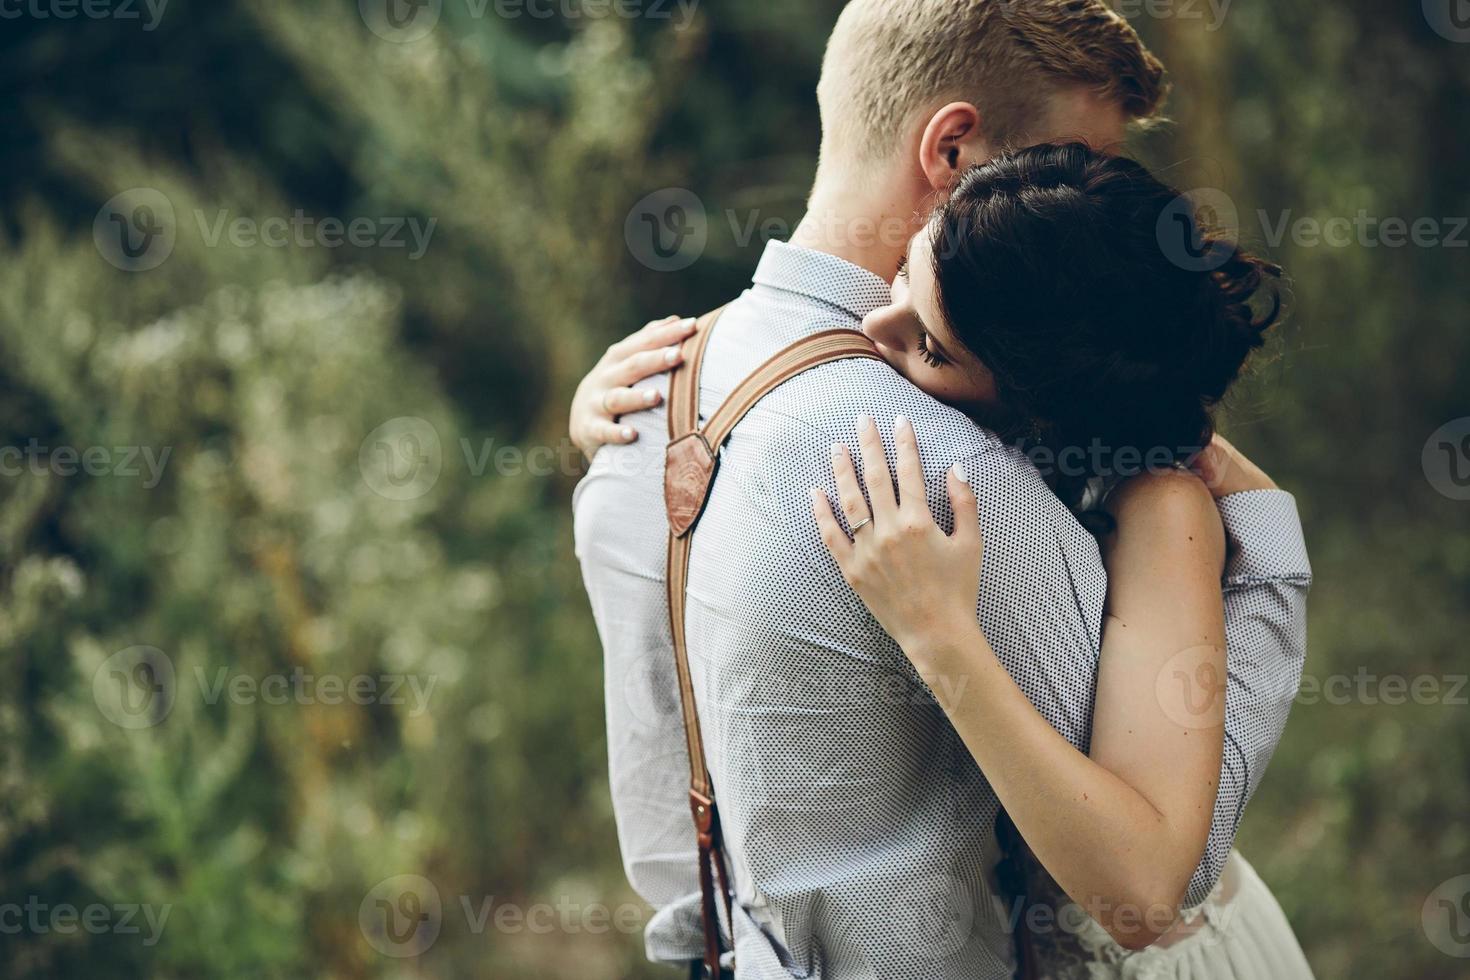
(1226, 470)
(607, 393)
(918, 582)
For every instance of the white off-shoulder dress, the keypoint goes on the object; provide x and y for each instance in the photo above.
(1238, 933)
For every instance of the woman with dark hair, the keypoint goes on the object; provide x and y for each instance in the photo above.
(1044, 301)
(1079, 318)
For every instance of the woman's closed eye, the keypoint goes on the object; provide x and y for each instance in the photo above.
(931, 357)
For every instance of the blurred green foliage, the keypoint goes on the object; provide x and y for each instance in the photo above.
(270, 544)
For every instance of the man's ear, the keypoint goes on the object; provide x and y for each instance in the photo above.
(951, 143)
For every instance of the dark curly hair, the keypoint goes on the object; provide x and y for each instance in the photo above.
(1110, 318)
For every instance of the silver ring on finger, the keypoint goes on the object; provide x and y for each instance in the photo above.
(862, 524)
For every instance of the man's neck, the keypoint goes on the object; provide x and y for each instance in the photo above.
(858, 226)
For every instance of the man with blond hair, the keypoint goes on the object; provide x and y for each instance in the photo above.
(860, 835)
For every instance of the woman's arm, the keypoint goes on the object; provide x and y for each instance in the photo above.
(1266, 583)
(607, 392)
(1122, 831)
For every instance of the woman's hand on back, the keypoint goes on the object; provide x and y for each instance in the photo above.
(917, 581)
(607, 392)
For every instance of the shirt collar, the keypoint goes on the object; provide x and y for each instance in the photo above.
(822, 277)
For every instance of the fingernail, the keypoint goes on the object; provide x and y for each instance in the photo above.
(689, 321)
(901, 422)
(627, 432)
(838, 449)
(649, 397)
(671, 355)
(865, 422)
(959, 473)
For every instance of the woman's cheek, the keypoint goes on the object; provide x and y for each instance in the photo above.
(907, 367)
(955, 387)
(941, 384)
(922, 375)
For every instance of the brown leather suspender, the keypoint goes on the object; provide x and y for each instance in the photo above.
(689, 472)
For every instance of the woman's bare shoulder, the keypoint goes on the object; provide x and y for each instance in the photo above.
(1169, 512)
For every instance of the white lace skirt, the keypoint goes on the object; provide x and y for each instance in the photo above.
(1239, 933)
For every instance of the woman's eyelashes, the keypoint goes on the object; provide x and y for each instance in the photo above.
(932, 358)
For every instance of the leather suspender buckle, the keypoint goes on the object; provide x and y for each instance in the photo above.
(703, 809)
(689, 471)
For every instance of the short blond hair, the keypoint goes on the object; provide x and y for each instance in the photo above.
(887, 60)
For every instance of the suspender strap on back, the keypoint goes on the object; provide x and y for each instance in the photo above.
(691, 460)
